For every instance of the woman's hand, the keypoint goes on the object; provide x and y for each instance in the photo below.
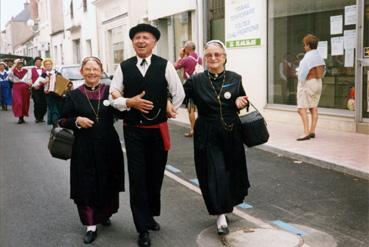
(84, 122)
(241, 102)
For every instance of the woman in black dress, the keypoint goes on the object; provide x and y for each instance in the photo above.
(97, 169)
(219, 152)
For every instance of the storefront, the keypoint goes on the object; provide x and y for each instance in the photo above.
(341, 44)
(177, 23)
(271, 32)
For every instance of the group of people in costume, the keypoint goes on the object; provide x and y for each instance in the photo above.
(145, 92)
(19, 84)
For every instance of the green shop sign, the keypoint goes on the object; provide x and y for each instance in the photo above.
(243, 43)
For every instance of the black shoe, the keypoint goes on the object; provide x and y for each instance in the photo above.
(312, 135)
(153, 226)
(21, 121)
(303, 138)
(106, 222)
(223, 230)
(89, 237)
(144, 239)
(40, 120)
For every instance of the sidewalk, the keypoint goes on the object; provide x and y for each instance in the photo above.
(340, 151)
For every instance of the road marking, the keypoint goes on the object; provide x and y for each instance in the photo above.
(172, 169)
(288, 227)
(195, 181)
(245, 205)
(236, 211)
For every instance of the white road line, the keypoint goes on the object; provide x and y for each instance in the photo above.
(236, 211)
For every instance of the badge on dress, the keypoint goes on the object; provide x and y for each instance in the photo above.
(106, 102)
(227, 95)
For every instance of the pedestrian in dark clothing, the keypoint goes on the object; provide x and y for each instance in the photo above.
(97, 169)
(218, 149)
(140, 87)
(38, 95)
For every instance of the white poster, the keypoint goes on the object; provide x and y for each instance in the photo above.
(242, 22)
(349, 58)
(350, 15)
(323, 49)
(337, 46)
(336, 24)
(349, 39)
(367, 93)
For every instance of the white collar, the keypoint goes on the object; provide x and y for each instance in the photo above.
(148, 60)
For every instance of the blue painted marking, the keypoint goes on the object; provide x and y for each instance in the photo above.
(195, 181)
(288, 227)
(172, 169)
(245, 205)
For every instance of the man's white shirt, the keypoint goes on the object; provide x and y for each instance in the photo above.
(175, 87)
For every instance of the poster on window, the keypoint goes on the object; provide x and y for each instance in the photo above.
(336, 24)
(242, 23)
(367, 93)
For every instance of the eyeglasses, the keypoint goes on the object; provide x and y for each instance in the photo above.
(216, 55)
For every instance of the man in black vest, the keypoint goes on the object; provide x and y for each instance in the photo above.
(140, 88)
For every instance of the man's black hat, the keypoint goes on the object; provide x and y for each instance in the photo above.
(37, 58)
(143, 27)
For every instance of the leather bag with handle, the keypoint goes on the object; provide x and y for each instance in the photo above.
(254, 128)
(61, 143)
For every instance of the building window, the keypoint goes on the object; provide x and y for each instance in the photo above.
(76, 51)
(117, 44)
(216, 20)
(182, 30)
(288, 23)
(84, 5)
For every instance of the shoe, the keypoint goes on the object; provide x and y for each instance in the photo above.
(106, 222)
(89, 237)
(40, 120)
(312, 135)
(153, 226)
(189, 134)
(223, 230)
(21, 121)
(144, 239)
(303, 138)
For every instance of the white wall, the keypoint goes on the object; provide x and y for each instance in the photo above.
(251, 63)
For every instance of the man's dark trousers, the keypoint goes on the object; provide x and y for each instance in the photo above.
(146, 164)
(39, 103)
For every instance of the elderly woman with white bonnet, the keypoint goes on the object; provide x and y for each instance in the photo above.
(220, 159)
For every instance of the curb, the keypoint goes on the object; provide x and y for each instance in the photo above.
(304, 158)
(316, 162)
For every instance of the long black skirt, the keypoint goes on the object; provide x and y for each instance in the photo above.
(220, 163)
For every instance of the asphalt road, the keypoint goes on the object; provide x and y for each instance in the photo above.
(35, 209)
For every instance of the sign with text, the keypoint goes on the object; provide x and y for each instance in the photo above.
(242, 23)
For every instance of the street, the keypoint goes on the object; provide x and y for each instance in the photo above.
(35, 209)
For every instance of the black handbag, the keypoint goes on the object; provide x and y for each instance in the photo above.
(254, 128)
(61, 143)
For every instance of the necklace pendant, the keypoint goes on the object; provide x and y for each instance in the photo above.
(218, 97)
(97, 119)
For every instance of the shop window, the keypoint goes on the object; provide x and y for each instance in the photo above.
(182, 30)
(288, 23)
(216, 20)
(117, 44)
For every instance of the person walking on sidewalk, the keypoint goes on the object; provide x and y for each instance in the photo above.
(38, 95)
(220, 159)
(140, 88)
(5, 90)
(188, 61)
(96, 168)
(21, 93)
(309, 86)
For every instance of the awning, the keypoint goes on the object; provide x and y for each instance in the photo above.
(162, 8)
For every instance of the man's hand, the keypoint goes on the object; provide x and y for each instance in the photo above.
(84, 122)
(171, 112)
(139, 103)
